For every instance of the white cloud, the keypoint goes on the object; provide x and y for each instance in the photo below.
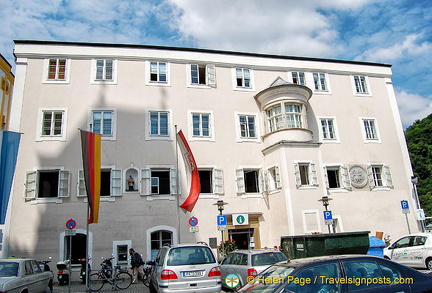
(412, 107)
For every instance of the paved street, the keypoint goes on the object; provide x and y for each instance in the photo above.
(79, 287)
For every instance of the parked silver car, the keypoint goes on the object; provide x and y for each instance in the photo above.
(19, 275)
(247, 263)
(185, 268)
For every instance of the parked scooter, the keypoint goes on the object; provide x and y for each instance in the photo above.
(63, 272)
(44, 265)
(83, 262)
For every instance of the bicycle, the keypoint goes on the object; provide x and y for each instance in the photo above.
(146, 277)
(118, 278)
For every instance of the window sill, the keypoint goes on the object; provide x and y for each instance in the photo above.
(246, 89)
(46, 200)
(209, 195)
(380, 188)
(199, 86)
(252, 195)
(305, 187)
(337, 190)
(160, 197)
(53, 81)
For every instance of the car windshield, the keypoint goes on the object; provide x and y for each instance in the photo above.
(268, 279)
(8, 269)
(267, 258)
(190, 255)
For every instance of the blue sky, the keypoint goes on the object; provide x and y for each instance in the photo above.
(397, 32)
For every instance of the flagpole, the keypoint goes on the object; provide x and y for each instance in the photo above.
(87, 248)
(178, 189)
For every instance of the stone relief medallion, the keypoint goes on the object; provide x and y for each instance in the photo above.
(358, 176)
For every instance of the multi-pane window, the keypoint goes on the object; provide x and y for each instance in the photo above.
(370, 129)
(203, 74)
(47, 184)
(247, 126)
(111, 183)
(159, 122)
(243, 77)
(319, 81)
(360, 84)
(288, 116)
(379, 176)
(102, 122)
(305, 174)
(328, 129)
(52, 123)
(104, 69)
(211, 181)
(158, 181)
(249, 181)
(201, 124)
(158, 71)
(158, 239)
(273, 179)
(298, 78)
(57, 69)
(337, 177)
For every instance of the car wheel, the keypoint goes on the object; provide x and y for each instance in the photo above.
(152, 288)
(49, 289)
(429, 263)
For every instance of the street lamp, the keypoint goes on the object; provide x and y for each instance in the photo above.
(414, 181)
(325, 201)
(220, 206)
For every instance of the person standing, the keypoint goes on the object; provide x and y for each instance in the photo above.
(137, 265)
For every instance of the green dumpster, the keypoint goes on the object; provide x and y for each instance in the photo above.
(325, 244)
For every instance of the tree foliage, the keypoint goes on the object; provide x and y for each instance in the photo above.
(419, 141)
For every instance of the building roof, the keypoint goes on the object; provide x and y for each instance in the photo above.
(136, 46)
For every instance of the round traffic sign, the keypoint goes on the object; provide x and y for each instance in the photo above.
(70, 224)
(193, 221)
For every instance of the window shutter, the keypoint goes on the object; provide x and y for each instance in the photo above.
(326, 178)
(346, 181)
(266, 185)
(64, 183)
(218, 181)
(81, 189)
(145, 182)
(30, 185)
(173, 181)
(116, 182)
(211, 75)
(313, 174)
(240, 181)
(278, 181)
(297, 175)
(261, 184)
(388, 178)
(370, 176)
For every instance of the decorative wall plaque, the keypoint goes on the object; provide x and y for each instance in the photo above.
(358, 177)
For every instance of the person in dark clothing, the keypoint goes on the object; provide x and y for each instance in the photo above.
(137, 265)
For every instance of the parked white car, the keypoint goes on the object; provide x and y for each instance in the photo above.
(19, 275)
(413, 250)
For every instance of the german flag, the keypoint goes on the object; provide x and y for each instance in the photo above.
(91, 156)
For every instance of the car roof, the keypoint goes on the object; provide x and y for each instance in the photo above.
(316, 259)
(15, 259)
(255, 251)
(427, 234)
(185, 245)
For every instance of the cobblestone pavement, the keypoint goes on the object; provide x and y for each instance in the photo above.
(79, 287)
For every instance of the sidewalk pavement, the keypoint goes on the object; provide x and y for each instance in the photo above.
(81, 288)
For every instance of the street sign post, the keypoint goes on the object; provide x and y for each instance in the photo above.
(406, 211)
(221, 220)
(193, 221)
(328, 218)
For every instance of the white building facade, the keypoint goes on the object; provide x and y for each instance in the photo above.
(271, 136)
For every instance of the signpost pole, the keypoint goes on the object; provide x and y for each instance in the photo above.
(405, 210)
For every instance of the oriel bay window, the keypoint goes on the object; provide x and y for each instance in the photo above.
(283, 116)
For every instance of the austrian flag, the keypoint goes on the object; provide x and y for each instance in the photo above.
(195, 185)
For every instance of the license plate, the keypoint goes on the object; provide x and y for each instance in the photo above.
(193, 274)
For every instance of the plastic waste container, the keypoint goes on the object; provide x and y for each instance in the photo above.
(300, 246)
(376, 246)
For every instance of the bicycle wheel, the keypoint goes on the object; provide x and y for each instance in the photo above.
(96, 282)
(123, 280)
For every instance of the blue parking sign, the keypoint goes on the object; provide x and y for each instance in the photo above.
(404, 204)
(328, 215)
(221, 220)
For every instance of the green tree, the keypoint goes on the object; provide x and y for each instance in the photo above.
(419, 141)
